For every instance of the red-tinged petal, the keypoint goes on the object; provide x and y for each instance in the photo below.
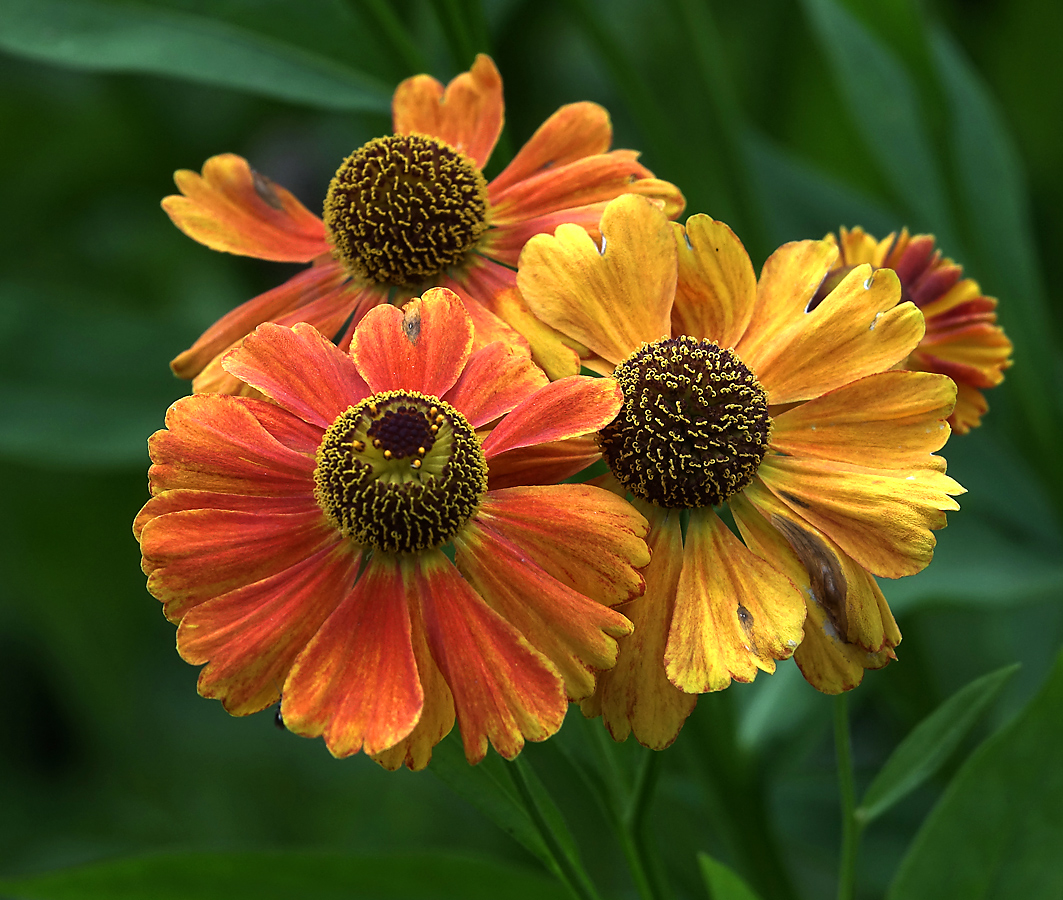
(421, 347)
(891, 420)
(290, 430)
(467, 115)
(233, 208)
(493, 382)
(587, 538)
(882, 518)
(549, 463)
(716, 286)
(572, 406)
(480, 285)
(857, 330)
(199, 554)
(734, 613)
(250, 637)
(613, 297)
(214, 443)
(179, 501)
(296, 293)
(356, 682)
(553, 352)
(636, 695)
(573, 132)
(505, 691)
(574, 632)
(300, 370)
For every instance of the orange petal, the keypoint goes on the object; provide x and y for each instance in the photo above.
(494, 381)
(612, 298)
(550, 350)
(290, 430)
(892, 420)
(574, 632)
(636, 695)
(573, 132)
(214, 443)
(296, 293)
(734, 612)
(505, 691)
(857, 330)
(179, 501)
(421, 347)
(234, 209)
(716, 287)
(587, 538)
(549, 463)
(882, 518)
(250, 637)
(197, 554)
(356, 682)
(971, 405)
(468, 115)
(579, 404)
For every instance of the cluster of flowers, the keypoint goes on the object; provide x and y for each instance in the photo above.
(370, 507)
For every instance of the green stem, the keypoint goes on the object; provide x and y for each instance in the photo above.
(574, 876)
(850, 826)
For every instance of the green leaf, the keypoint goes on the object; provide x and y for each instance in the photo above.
(883, 103)
(139, 37)
(722, 882)
(277, 875)
(997, 831)
(931, 743)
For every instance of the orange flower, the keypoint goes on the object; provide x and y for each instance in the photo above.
(962, 337)
(300, 542)
(406, 212)
(740, 394)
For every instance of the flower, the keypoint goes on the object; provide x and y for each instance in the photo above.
(300, 541)
(962, 337)
(406, 212)
(739, 394)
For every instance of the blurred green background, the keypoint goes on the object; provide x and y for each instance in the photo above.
(785, 118)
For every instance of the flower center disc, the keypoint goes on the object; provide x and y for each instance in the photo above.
(400, 472)
(403, 208)
(694, 426)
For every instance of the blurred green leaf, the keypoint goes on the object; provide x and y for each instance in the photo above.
(997, 831)
(141, 37)
(285, 875)
(931, 743)
(722, 882)
(884, 105)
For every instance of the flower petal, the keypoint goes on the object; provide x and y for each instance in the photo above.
(504, 691)
(250, 637)
(233, 208)
(610, 299)
(552, 351)
(635, 696)
(882, 518)
(587, 538)
(549, 463)
(214, 443)
(574, 632)
(734, 612)
(421, 347)
(892, 420)
(579, 404)
(300, 370)
(494, 381)
(356, 682)
(971, 405)
(467, 115)
(716, 287)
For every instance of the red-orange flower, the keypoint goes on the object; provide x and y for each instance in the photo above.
(962, 340)
(742, 395)
(299, 541)
(407, 212)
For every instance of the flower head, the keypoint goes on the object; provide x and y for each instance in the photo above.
(304, 542)
(962, 340)
(742, 396)
(406, 212)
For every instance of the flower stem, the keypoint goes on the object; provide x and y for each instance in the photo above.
(633, 829)
(850, 826)
(570, 871)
